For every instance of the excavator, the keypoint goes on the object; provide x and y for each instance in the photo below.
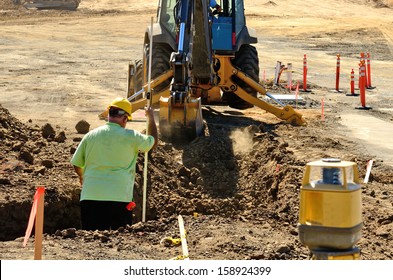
(201, 55)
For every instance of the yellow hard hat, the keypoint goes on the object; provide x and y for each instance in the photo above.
(122, 104)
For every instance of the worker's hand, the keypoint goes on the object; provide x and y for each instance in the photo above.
(81, 180)
(149, 112)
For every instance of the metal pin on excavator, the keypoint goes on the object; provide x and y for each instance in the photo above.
(200, 56)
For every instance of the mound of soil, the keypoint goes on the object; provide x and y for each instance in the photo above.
(238, 187)
(34, 156)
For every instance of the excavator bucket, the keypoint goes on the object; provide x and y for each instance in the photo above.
(181, 120)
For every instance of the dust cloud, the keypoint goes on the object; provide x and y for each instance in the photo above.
(242, 141)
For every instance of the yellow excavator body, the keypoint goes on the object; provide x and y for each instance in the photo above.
(183, 116)
(199, 57)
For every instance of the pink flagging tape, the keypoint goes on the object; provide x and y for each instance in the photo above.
(369, 166)
(40, 191)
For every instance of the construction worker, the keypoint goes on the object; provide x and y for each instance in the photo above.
(105, 163)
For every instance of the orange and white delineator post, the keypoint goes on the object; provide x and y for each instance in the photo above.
(338, 73)
(368, 62)
(363, 58)
(352, 84)
(362, 86)
(305, 73)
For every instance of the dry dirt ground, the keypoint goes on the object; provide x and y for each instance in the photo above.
(237, 187)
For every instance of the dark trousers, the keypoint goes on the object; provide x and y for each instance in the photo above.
(103, 215)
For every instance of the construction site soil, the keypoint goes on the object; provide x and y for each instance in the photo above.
(237, 187)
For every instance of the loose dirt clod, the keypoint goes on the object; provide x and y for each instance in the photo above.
(82, 127)
(48, 131)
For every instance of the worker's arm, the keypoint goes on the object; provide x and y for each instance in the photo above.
(79, 171)
(152, 128)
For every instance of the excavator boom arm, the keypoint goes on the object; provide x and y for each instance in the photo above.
(226, 72)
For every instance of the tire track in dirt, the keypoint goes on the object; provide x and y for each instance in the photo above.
(388, 33)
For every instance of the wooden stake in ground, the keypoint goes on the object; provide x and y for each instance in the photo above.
(369, 166)
(39, 227)
(183, 238)
(37, 216)
(148, 97)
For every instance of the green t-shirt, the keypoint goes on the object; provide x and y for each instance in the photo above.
(108, 157)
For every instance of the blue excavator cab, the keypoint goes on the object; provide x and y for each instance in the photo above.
(222, 34)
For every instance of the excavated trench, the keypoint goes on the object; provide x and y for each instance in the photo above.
(238, 168)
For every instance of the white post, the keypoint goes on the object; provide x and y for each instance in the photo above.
(147, 123)
(183, 238)
(369, 166)
(277, 73)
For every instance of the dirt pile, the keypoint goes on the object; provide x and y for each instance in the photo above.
(213, 175)
(32, 156)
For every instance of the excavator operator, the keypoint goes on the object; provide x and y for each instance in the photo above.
(216, 8)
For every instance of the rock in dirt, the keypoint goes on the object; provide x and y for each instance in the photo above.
(26, 156)
(5, 181)
(60, 138)
(48, 131)
(82, 127)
